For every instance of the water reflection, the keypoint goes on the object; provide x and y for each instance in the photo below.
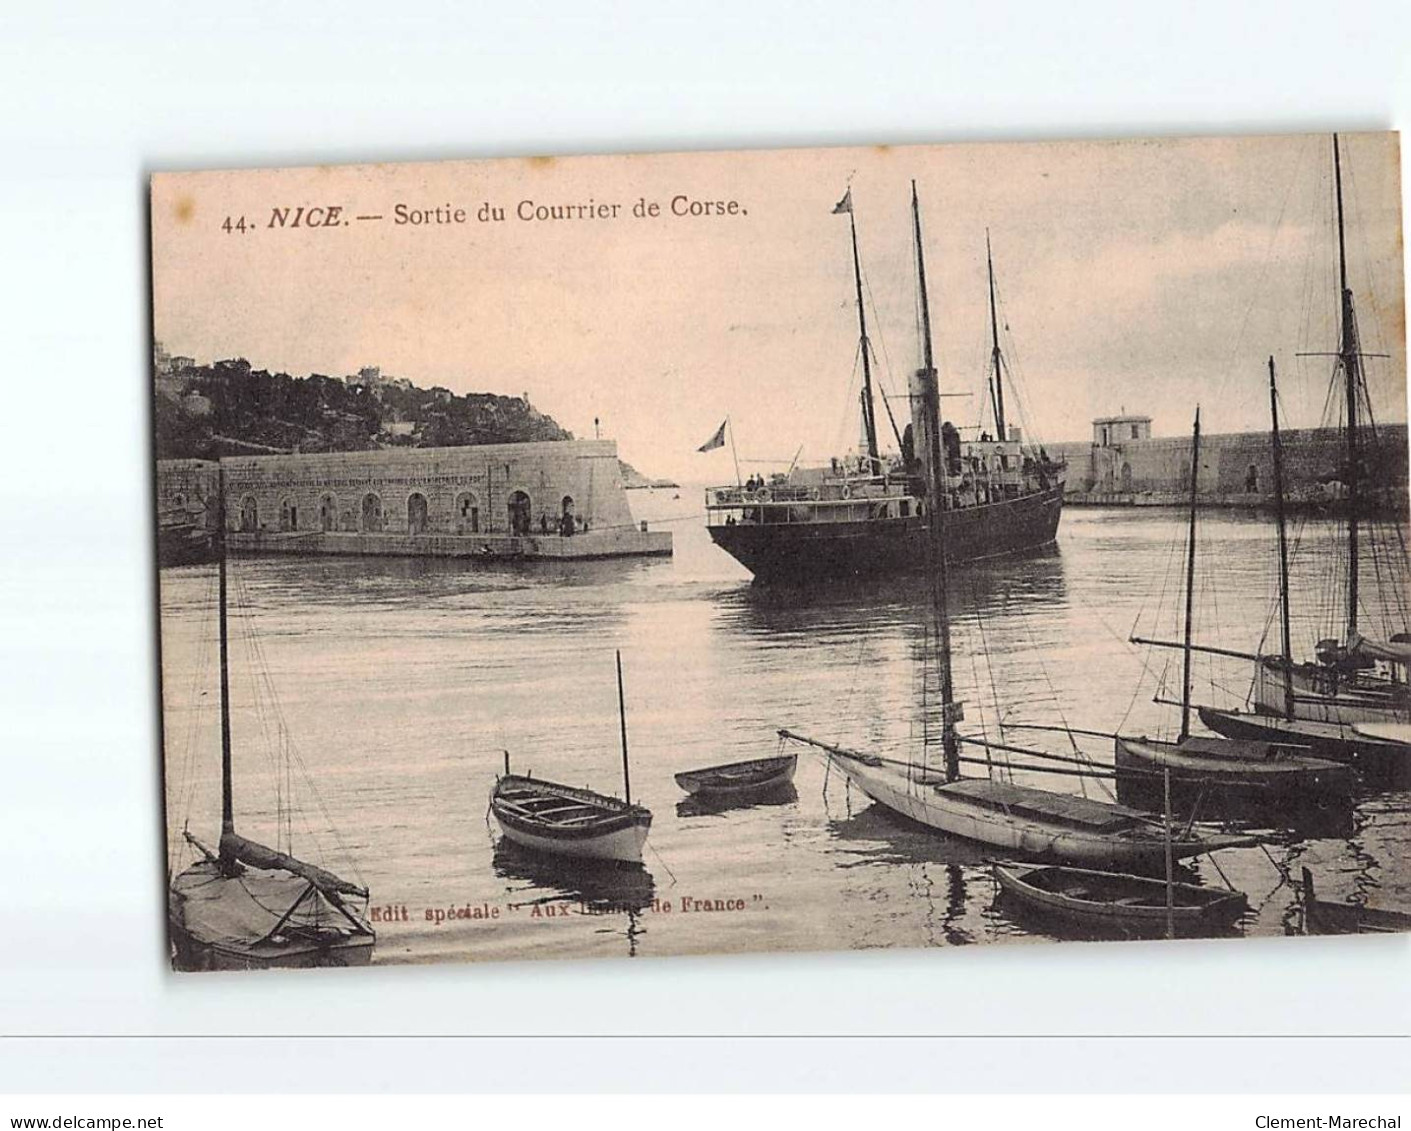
(1291, 816)
(620, 895)
(977, 590)
(785, 793)
(876, 834)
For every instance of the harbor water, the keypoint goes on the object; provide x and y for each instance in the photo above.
(373, 701)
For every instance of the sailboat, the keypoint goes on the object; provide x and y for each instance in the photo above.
(1017, 819)
(1228, 767)
(246, 906)
(1353, 680)
(866, 518)
(562, 820)
(1383, 746)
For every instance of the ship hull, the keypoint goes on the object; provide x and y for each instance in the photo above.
(798, 551)
(1317, 699)
(193, 953)
(1032, 839)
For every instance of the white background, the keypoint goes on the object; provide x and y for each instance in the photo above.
(97, 97)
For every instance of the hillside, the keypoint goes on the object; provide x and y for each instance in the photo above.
(226, 408)
(633, 479)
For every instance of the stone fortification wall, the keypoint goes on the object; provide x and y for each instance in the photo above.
(1236, 469)
(489, 489)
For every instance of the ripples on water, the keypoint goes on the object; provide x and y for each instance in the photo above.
(401, 683)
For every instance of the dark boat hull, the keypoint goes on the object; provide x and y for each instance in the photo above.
(1380, 757)
(259, 919)
(796, 551)
(739, 779)
(1233, 775)
(192, 954)
(1112, 904)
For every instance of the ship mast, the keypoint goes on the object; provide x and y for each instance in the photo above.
(1001, 433)
(869, 406)
(1279, 520)
(622, 722)
(935, 507)
(229, 866)
(1350, 360)
(1190, 586)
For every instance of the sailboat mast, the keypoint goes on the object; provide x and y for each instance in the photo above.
(869, 406)
(1351, 360)
(228, 863)
(1190, 585)
(935, 506)
(1281, 523)
(622, 723)
(1002, 433)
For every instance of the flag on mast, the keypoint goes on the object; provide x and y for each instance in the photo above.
(716, 441)
(844, 205)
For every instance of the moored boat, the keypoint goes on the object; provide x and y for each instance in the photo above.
(1232, 766)
(563, 820)
(566, 821)
(246, 906)
(285, 915)
(1385, 747)
(1352, 678)
(1115, 903)
(1039, 824)
(739, 779)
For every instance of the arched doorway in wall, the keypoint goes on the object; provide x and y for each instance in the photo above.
(566, 516)
(416, 513)
(1126, 478)
(328, 511)
(1251, 479)
(249, 514)
(467, 513)
(288, 514)
(372, 513)
(520, 509)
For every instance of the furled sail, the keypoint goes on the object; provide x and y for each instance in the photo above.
(1396, 651)
(236, 847)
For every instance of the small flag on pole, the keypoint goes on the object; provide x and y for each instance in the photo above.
(844, 205)
(716, 441)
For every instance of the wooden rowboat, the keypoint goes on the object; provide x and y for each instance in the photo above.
(1247, 767)
(1114, 903)
(1322, 917)
(562, 820)
(566, 821)
(737, 779)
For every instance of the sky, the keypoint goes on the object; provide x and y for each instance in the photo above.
(1137, 276)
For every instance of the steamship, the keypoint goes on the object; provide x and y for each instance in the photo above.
(865, 517)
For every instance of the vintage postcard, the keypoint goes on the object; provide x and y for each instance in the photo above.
(796, 550)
